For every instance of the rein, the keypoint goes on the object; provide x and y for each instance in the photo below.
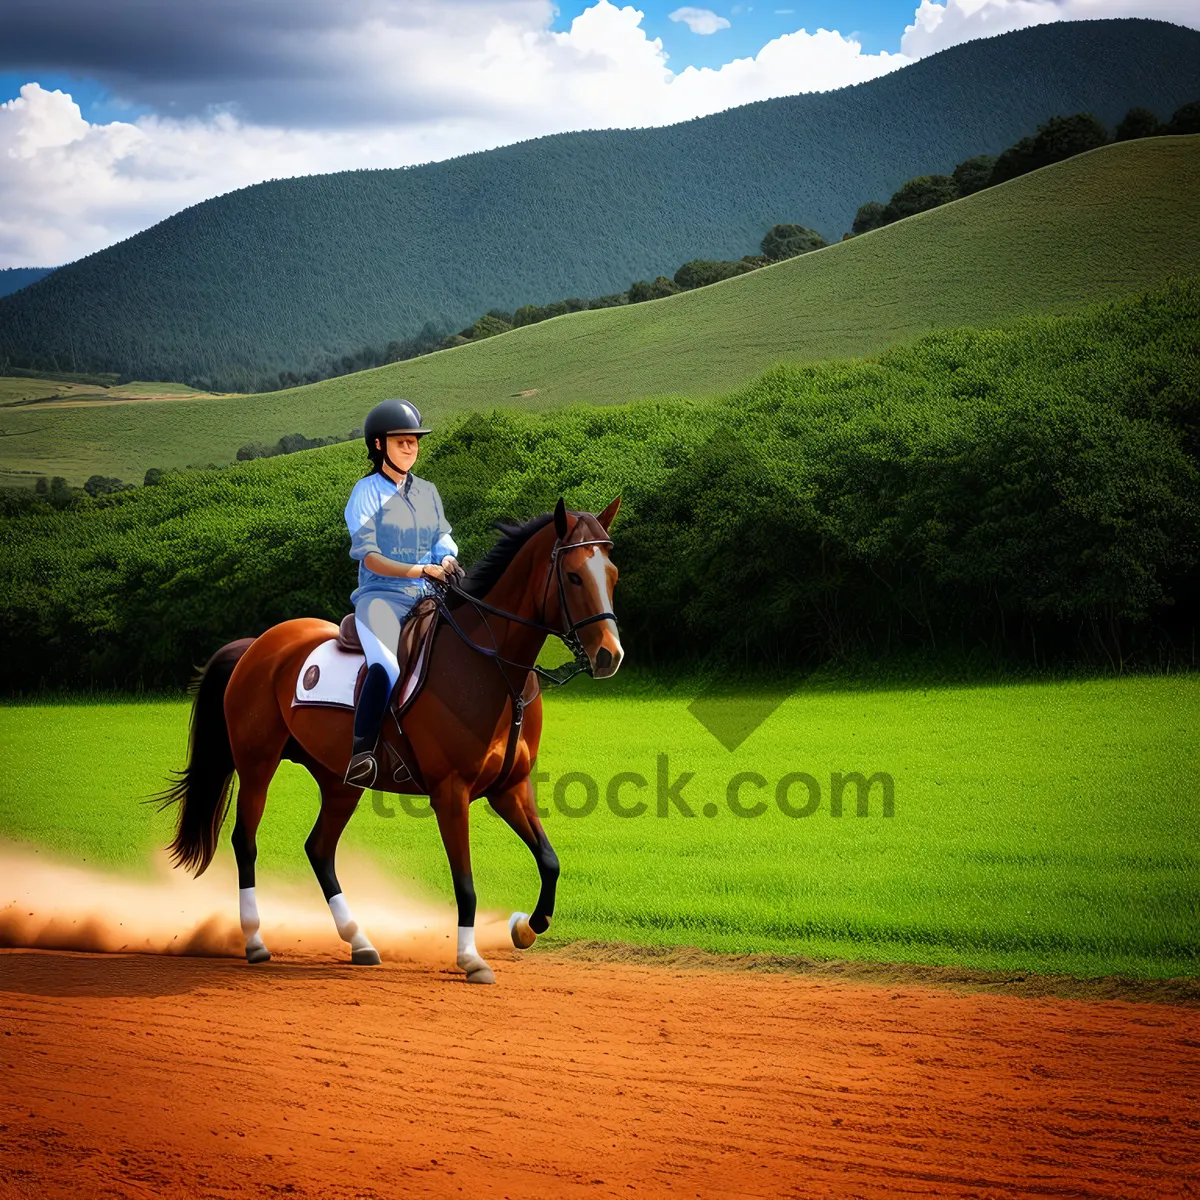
(569, 636)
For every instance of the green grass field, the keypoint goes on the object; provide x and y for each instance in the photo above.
(1037, 826)
(1101, 225)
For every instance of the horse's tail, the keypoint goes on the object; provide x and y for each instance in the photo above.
(202, 789)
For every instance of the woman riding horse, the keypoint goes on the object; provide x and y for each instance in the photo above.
(400, 537)
(473, 728)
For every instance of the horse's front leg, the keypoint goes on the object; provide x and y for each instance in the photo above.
(517, 805)
(450, 803)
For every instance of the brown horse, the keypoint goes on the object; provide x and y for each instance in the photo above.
(551, 575)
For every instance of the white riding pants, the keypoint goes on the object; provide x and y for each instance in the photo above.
(378, 620)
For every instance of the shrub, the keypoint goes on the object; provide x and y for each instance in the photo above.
(786, 241)
(700, 273)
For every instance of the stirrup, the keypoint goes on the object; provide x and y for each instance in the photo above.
(362, 769)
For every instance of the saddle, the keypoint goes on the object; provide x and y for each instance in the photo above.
(397, 759)
(395, 752)
(414, 634)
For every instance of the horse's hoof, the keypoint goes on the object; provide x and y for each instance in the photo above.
(260, 954)
(368, 956)
(522, 936)
(481, 975)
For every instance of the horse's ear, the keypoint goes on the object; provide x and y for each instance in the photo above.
(606, 517)
(560, 518)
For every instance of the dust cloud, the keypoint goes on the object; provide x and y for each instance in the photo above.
(47, 903)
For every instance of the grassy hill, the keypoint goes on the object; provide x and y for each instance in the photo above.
(1026, 492)
(287, 275)
(1100, 225)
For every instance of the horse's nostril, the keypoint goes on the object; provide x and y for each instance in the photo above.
(603, 658)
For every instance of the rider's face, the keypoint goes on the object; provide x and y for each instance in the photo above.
(402, 449)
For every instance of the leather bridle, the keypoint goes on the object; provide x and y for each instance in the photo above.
(568, 634)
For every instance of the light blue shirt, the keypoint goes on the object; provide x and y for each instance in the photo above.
(407, 524)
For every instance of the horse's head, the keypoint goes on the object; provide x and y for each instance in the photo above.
(581, 582)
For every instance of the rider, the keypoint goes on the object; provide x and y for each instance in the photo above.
(400, 537)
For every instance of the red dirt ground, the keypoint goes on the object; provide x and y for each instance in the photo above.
(148, 1076)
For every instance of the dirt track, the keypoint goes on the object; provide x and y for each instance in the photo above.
(154, 1076)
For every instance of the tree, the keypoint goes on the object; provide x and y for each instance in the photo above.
(786, 241)
(531, 314)
(489, 325)
(1185, 119)
(1137, 123)
(871, 215)
(921, 194)
(104, 485)
(642, 290)
(974, 174)
(1058, 139)
(700, 272)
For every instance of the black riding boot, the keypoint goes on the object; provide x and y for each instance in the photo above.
(368, 717)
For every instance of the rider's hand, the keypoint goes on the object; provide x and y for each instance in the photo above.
(431, 571)
(452, 568)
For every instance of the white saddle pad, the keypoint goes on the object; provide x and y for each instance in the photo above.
(330, 673)
(328, 676)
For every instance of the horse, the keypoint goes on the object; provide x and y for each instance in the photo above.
(468, 728)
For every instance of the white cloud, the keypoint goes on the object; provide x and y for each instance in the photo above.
(69, 187)
(417, 82)
(699, 20)
(937, 26)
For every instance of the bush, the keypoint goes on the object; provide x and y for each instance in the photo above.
(974, 174)
(921, 194)
(700, 273)
(531, 314)
(786, 241)
(1185, 119)
(1031, 492)
(104, 485)
(662, 286)
(871, 215)
(613, 301)
(1138, 123)
(1058, 139)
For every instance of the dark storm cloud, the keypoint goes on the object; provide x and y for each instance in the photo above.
(272, 61)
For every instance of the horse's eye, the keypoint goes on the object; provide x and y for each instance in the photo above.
(574, 578)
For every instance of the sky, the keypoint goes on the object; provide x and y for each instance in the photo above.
(114, 114)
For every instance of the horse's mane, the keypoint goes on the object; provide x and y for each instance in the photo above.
(485, 574)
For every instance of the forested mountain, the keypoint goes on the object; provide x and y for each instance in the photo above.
(12, 279)
(1097, 226)
(283, 277)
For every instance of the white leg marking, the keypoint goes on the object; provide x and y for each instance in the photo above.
(518, 927)
(468, 957)
(248, 912)
(347, 926)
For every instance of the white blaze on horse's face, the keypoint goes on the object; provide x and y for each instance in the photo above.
(600, 639)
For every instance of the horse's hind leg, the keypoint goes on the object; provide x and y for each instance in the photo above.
(338, 802)
(251, 800)
(256, 739)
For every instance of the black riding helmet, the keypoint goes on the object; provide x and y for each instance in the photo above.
(391, 416)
